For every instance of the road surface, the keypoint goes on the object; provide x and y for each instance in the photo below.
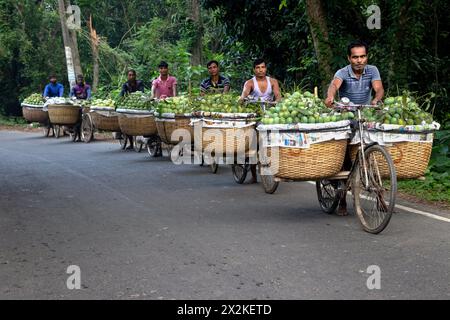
(142, 228)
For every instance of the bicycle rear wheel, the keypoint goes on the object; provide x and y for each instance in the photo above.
(123, 141)
(374, 196)
(87, 128)
(329, 194)
(240, 172)
(137, 144)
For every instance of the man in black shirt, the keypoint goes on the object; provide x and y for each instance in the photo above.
(132, 85)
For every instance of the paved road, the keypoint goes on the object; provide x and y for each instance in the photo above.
(142, 228)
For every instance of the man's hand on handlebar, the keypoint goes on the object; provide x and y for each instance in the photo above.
(329, 101)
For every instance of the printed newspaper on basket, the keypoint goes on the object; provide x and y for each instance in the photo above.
(303, 152)
(225, 134)
(137, 122)
(409, 146)
(169, 123)
(105, 118)
(63, 111)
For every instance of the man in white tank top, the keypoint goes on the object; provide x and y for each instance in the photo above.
(261, 87)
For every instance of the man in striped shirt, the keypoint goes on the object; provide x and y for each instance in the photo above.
(215, 83)
(357, 80)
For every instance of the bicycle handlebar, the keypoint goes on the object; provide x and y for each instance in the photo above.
(354, 107)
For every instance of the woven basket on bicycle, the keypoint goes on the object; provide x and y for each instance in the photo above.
(33, 113)
(64, 114)
(137, 123)
(166, 126)
(228, 135)
(316, 161)
(411, 158)
(104, 119)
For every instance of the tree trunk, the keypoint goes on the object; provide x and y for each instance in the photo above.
(95, 55)
(70, 43)
(319, 32)
(197, 48)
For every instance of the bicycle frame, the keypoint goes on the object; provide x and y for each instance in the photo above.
(362, 146)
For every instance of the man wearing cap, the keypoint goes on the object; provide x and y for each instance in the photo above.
(165, 85)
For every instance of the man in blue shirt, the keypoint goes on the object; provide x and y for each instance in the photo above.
(357, 80)
(53, 89)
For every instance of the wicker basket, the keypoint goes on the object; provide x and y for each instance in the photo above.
(137, 125)
(320, 161)
(230, 139)
(105, 123)
(64, 114)
(166, 127)
(410, 158)
(35, 115)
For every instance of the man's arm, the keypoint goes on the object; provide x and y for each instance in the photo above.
(45, 95)
(226, 86)
(276, 90)
(175, 90)
(124, 90)
(202, 88)
(61, 91)
(379, 91)
(248, 87)
(89, 93)
(153, 95)
(332, 90)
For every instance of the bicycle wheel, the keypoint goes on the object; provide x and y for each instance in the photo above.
(268, 182)
(123, 141)
(87, 128)
(138, 145)
(329, 193)
(46, 128)
(57, 131)
(240, 172)
(73, 133)
(214, 167)
(374, 196)
(154, 147)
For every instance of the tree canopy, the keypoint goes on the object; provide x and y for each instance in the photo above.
(304, 42)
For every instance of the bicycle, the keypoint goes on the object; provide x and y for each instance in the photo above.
(372, 180)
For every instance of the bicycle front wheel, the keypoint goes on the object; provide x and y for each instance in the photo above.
(374, 187)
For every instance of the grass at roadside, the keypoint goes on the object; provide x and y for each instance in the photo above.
(428, 190)
(13, 121)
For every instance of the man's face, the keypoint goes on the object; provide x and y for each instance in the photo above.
(131, 76)
(164, 71)
(213, 70)
(358, 58)
(53, 80)
(80, 80)
(260, 70)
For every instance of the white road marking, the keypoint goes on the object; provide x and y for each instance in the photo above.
(405, 208)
